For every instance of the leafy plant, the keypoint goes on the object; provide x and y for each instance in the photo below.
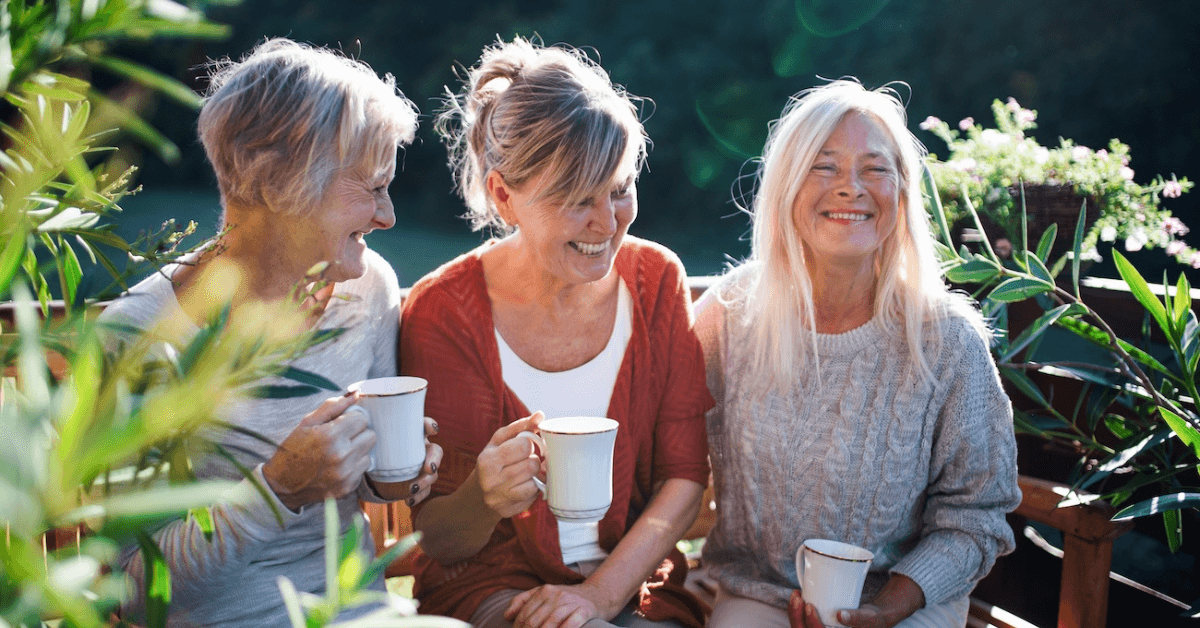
(99, 436)
(1135, 429)
(991, 169)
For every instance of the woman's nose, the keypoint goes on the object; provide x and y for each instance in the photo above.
(385, 214)
(604, 215)
(851, 185)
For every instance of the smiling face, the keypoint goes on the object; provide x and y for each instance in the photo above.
(354, 205)
(849, 200)
(572, 244)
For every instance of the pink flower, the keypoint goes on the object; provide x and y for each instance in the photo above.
(1175, 247)
(1127, 173)
(1172, 189)
(1013, 105)
(1195, 260)
(1136, 240)
(966, 123)
(1079, 153)
(1026, 116)
(1102, 153)
(929, 123)
(1174, 226)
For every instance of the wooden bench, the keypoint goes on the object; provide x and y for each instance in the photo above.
(1085, 522)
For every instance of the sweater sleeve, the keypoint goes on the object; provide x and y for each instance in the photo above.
(973, 479)
(243, 522)
(681, 446)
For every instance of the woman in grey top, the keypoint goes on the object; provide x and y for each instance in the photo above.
(303, 142)
(856, 399)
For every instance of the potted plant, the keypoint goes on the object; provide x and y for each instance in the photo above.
(995, 169)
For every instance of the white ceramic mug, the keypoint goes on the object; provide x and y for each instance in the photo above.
(579, 466)
(831, 575)
(396, 406)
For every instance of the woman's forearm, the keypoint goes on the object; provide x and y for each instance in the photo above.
(670, 513)
(457, 526)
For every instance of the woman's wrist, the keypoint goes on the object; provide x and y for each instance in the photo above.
(899, 599)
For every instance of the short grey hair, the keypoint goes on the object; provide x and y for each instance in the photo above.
(525, 108)
(278, 125)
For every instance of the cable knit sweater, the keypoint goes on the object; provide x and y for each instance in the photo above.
(919, 472)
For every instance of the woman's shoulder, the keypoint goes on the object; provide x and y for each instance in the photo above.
(648, 258)
(142, 305)
(459, 280)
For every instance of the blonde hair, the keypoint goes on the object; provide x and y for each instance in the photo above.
(909, 291)
(525, 108)
(278, 125)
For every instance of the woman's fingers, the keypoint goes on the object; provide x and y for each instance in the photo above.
(526, 424)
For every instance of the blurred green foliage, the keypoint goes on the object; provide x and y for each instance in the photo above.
(719, 71)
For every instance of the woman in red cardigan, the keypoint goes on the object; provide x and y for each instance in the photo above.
(566, 315)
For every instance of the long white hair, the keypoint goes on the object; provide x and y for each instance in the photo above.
(909, 291)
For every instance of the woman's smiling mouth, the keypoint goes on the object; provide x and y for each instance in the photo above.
(587, 248)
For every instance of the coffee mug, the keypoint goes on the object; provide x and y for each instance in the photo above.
(831, 575)
(396, 408)
(579, 466)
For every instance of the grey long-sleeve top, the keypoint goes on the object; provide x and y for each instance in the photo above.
(231, 580)
(919, 472)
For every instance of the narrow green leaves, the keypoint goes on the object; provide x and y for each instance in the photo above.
(156, 582)
(1019, 289)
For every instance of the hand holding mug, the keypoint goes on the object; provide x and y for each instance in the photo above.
(325, 456)
(507, 465)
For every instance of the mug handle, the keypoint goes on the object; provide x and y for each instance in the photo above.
(540, 445)
(800, 566)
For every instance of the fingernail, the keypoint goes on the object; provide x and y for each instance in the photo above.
(433, 468)
(416, 488)
(348, 393)
(412, 501)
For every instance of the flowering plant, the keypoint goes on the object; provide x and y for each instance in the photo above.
(990, 166)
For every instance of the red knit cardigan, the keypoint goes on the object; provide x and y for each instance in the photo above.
(659, 400)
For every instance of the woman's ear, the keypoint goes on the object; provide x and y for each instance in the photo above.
(501, 195)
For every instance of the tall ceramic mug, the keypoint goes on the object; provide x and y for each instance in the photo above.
(579, 466)
(831, 575)
(396, 406)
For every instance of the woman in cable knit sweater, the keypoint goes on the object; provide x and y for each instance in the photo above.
(856, 399)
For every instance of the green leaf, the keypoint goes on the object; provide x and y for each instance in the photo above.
(1026, 386)
(157, 582)
(277, 391)
(332, 591)
(978, 270)
(11, 258)
(1037, 268)
(1100, 338)
(1183, 429)
(379, 565)
(1047, 242)
(1174, 528)
(1155, 505)
(71, 272)
(1183, 302)
(1078, 247)
(935, 204)
(151, 78)
(308, 377)
(203, 518)
(1141, 291)
(1019, 289)
(1035, 330)
(1117, 425)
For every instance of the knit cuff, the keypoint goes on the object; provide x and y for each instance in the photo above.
(945, 566)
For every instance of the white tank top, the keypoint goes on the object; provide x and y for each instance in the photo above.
(582, 391)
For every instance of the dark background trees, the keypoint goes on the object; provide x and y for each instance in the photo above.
(717, 71)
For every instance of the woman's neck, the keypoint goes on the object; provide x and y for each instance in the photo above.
(843, 296)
